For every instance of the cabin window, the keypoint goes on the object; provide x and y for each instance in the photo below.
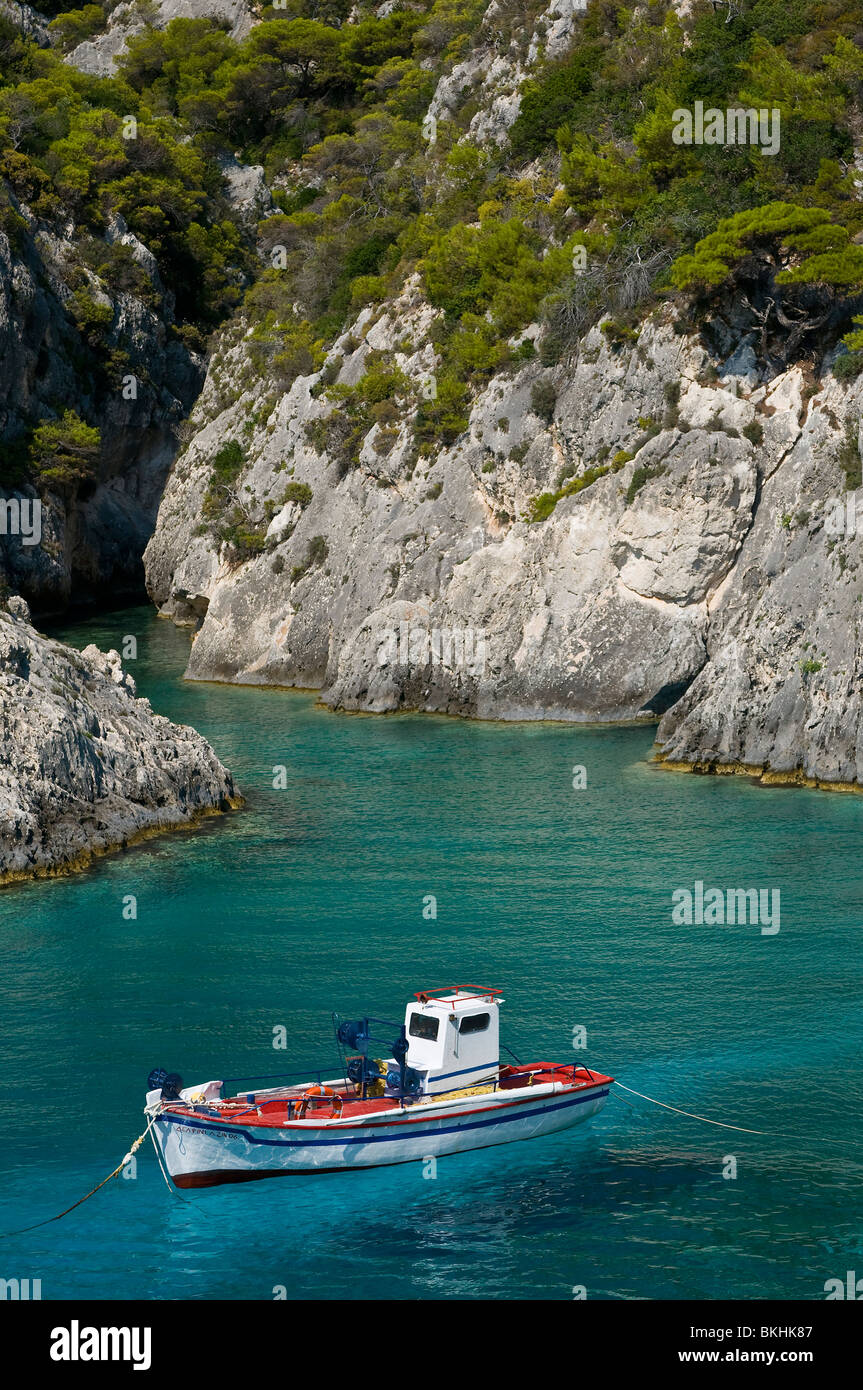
(424, 1026)
(475, 1023)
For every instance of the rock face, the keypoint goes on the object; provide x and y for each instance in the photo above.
(85, 767)
(494, 76)
(780, 693)
(696, 575)
(28, 20)
(93, 536)
(631, 533)
(98, 56)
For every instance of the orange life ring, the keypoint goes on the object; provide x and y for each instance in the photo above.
(310, 1093)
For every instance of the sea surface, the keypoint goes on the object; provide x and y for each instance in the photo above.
(256, 926)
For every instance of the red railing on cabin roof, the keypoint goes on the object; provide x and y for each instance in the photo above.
(480, 992)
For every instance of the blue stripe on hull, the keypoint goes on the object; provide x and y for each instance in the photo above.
(342, 1142)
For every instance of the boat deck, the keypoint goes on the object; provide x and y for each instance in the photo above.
(273, 1111)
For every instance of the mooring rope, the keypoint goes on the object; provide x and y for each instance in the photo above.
(4, 1235)
(173, 1191)
(688, 1113)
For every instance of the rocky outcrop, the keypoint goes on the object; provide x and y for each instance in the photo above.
(646, 529)
(506, 52)
(98, 55)
(85, 767)
(596, 613)
(28, 20)
(780, 693)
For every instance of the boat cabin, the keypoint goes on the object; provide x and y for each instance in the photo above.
(453, 1038)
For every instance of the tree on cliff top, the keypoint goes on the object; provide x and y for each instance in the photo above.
(788, 270)
(803, 244)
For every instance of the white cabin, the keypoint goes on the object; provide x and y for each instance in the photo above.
(454, 1038)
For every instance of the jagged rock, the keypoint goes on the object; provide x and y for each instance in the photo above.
(28, 20)
(18, 608)
(557, 28)
(85, 767)
(589, 615)
(495, 71)
(246, 189)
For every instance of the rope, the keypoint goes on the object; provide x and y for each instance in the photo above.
(687, 1113)
(120, 1166)
(628, 1103)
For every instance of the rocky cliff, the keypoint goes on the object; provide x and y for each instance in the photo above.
(93, 531)
(697, 574)
(100, 338)
(85, 766)
(528, 410)
(655, 522)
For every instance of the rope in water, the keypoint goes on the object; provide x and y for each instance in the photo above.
(4, 1235)
(688, 1113)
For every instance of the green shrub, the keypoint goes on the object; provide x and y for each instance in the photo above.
(849, 458)
(540, 508)
(317, 551)
(754, 432)
(92, 319)
(641, 475)
(543, 399)
(787, 231)
(446, 417)
(297, 492)
(65, 452)
(848, 366)
(549, 101)
(74, 26)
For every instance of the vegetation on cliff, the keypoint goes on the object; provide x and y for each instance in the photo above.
(587, 209)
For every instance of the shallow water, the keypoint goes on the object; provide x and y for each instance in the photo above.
(311, 899)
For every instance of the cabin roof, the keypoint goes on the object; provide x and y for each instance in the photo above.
(457, 998)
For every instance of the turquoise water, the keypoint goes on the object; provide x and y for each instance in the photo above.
(311, 899)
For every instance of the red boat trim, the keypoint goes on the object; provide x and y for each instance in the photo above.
(445, 1114)
(225, 1122)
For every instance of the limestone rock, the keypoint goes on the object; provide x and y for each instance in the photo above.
(85, 766)
(98, 55)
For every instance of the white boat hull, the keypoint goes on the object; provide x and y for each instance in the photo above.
(199, 1151)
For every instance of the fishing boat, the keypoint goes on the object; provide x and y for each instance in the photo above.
(442, 1090)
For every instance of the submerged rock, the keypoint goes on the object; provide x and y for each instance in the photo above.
(85, 766)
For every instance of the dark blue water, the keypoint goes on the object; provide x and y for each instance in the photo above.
(311, 899)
